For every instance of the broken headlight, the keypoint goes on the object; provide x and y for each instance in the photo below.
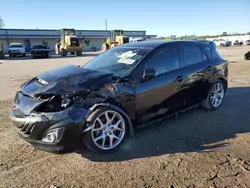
(65, 102)
(54, 103)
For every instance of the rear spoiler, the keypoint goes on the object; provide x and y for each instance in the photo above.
(211, 43)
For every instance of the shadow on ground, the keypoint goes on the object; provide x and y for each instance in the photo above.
(192, 131)
(28, 57)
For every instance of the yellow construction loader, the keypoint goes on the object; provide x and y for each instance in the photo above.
(117, 38)
(69, 43)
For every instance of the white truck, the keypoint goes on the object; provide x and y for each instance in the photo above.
(16, 49)
(138, 39)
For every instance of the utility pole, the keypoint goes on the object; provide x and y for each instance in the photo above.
(106, 24)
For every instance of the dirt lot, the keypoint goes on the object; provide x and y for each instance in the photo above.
(195, 149)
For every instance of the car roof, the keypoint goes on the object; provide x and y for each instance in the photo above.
(156, 43)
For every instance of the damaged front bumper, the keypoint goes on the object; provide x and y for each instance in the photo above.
(53, 132)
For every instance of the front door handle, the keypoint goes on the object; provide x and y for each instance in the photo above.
(179, 78)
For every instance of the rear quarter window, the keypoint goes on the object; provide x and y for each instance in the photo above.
(207, 51)
(192, 54)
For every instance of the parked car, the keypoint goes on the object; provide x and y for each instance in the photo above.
(16, 49)
(238, 43)
(40, 51)
(222, 42)
(101, 102)
(226, 43)
(247, 56)
(247, 42)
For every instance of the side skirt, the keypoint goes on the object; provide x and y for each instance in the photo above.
(159, 120)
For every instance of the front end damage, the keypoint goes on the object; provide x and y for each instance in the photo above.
(55, 120)
(49, 125)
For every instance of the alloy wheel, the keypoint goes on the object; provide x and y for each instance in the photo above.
(108, 130)
(217, 94)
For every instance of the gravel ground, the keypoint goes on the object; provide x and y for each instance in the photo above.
(196, 149)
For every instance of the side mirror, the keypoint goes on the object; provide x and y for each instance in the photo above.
(148, 74)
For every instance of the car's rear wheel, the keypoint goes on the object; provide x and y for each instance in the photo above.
(108, 130)
(215, 96)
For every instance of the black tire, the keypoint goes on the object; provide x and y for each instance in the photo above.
(87, 136)
(79, 53)
(207, 103)
(105, 47)
(63, 53)
(24, 55)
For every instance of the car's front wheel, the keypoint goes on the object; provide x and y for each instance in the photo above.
(108, 130)
(215, 96)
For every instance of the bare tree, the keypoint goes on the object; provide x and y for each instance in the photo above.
(1, 22)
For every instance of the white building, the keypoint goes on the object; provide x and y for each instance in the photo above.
(240, 38)
(30, 37)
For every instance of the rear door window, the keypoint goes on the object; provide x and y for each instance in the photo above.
(192, 54)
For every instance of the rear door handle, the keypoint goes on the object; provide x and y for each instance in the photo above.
(179, 78)
(209, 68)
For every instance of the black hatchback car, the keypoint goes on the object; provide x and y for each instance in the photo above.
(100, 103)
(40, 51)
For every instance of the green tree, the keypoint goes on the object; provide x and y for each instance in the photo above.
(248, 33)
(1, 22)
(224, 33)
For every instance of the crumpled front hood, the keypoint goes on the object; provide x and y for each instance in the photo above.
(69, 78)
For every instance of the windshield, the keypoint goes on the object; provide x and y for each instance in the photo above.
(15, 46)
(117, 60)
(74, 42)
(39, 47)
